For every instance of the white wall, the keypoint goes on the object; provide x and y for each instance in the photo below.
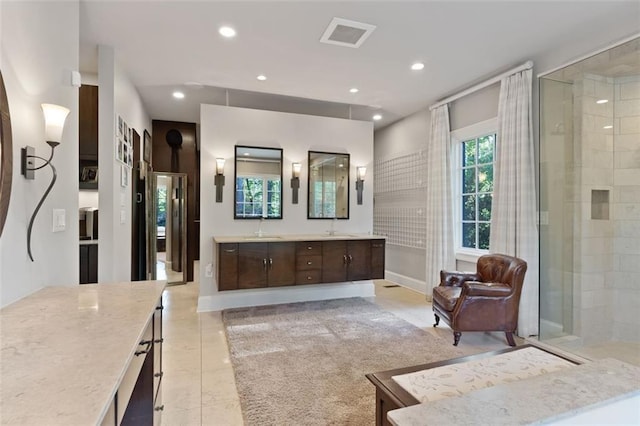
(39, 50)
(117, 96)
(224, 127)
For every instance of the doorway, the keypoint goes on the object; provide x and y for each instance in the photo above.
(169, 230)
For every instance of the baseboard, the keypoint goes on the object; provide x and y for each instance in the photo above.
(405, 281)
(272, 296)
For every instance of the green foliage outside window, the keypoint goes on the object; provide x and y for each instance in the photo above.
(477, 191)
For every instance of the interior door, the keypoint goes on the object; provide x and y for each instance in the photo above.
(168, 228)
(177, 223)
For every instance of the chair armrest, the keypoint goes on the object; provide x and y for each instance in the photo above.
(475, 288)
(456, 278)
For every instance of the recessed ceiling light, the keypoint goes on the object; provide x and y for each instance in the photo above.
(354, 90)
(178, 95)
(261, 77)
(246, 153)
(602, 101)
(608, 126)
(377, 117)
(417, 66)
(227, 32)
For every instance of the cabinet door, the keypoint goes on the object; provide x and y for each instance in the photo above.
(93, 263)
(88, 122)
(282, 264)
(334, 261)
(377, 259)
(252, 265)
(227, 266)
(84, 264)
(359, 259)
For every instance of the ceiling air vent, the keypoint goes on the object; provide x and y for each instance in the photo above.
(343, 32)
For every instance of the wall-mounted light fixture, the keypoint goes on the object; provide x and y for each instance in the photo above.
(54, 118)
(219, 179)
(360, 172)
(295, 182)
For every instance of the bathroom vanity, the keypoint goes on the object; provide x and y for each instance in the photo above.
(83, 355)
(292, 260)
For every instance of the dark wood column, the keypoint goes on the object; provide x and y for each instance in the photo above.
(184, 159)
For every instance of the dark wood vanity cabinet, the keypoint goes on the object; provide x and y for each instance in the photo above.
(266, 264)
(88, 263)
(228, 266)
(346, 260)
(377, 259)
(248, 265)
(308, 262)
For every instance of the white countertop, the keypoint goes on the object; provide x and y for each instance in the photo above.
(295, 237)
(64, 350)
(544, 398)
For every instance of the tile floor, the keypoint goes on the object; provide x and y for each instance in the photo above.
(198, 384)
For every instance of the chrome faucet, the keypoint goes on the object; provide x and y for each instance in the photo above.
(332, 230)
(259, 232)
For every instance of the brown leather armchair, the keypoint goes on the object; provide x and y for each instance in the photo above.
(487, 300)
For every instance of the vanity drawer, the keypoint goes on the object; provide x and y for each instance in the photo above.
(308, 263)
(308, 248)
(309, 277)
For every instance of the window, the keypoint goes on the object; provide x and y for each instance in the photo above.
(473, 153)
(258, 196)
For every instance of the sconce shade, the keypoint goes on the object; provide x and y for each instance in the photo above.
(219, 166)
(360, 172)
(54, 118)
(296, 169)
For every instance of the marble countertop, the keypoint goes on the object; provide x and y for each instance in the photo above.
(544, 398)
(64, 350)
(295, 237)
(88, 242)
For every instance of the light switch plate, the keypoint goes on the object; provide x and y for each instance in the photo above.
(59, 220)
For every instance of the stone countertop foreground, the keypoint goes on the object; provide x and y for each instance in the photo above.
(544, 398)
(64, 350)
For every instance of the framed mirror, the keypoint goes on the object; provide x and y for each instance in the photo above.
(328, 186)
(6, 156)
(258, 183)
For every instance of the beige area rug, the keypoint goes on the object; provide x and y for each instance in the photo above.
(304, 363)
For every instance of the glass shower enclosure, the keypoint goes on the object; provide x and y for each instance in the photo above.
(590, 205)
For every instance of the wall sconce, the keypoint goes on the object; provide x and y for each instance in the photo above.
(219, 179)
(295, 182)
(360, 172)
(54, 118)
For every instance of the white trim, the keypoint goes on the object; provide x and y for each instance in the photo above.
(403, 280)
(271, 296)
(588, 55)
(458, 136)
(470, 255)
(527, 65)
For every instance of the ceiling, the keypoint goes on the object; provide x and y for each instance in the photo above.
(174, 45)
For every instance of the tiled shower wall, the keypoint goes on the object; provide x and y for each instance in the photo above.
(626, 209)
(607, 214)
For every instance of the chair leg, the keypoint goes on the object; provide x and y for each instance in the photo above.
(437, 320)
(456, 338)
(510, 338)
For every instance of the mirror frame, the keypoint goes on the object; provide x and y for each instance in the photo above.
(235, 178)
(6, 155)
(348, 184)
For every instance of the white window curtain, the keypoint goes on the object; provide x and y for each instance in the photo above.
(514, 229)
(439, 244)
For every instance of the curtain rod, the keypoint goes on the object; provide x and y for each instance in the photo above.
(527, 65)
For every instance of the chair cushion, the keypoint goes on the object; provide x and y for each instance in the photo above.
(446, 296)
